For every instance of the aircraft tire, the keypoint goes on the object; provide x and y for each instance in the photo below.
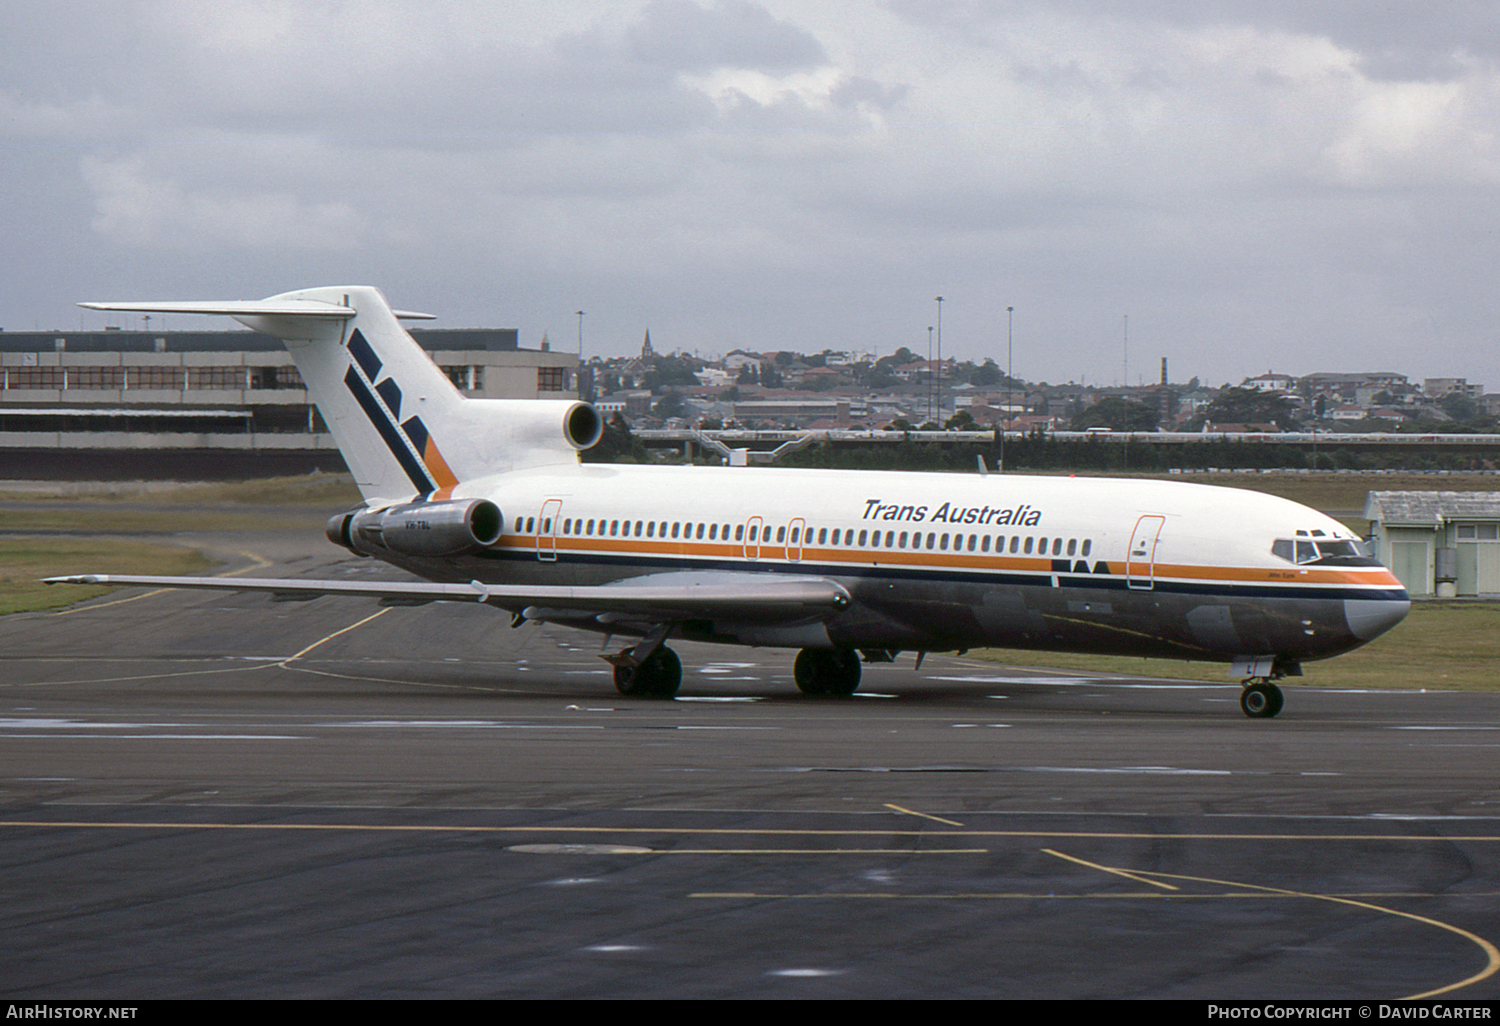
(1261, 701)
(658, 677)
(819, 671)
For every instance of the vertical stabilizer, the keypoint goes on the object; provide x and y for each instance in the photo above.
(402, 426)
(377, 390)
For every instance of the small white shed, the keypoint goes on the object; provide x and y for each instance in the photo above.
(1438, 543)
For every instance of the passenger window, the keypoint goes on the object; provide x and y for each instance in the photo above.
(902, 540)
(1028, 546)
(713, 532)
(862, 538)
(781, 535)
(1057, 546)
(794, 535)
(931, 540)
(1088, 543)
(822, 535)
(530, 525)
(1015, 543)
(1072, 546)
(984, 544)
(890, 539)
(739, 532)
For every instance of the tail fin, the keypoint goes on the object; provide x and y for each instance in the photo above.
(402, 426)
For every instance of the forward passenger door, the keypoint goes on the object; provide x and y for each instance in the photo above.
(1140, 561)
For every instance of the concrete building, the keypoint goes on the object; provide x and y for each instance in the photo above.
(1441, 544)
(102, 399)
(1436, 388)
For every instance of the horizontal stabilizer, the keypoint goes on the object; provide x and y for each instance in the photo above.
(251, 308)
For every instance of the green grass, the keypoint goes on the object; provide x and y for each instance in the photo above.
(23, 561)
(1440, 645)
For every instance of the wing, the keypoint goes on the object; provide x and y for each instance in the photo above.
(657, 598)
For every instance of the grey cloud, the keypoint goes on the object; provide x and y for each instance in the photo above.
(1392, 41)
(681, 35)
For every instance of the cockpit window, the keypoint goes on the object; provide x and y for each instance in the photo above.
(1304, 551)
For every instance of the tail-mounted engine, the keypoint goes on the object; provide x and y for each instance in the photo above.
(459, 527)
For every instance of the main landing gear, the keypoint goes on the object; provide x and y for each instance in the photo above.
(1261, 699)
(657, 676)
(826, 671)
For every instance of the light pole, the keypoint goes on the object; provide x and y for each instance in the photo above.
(929, 371)
(1010, 313)
(938, 381)
(580, 336)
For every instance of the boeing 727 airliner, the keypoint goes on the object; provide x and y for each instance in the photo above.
(486, 501)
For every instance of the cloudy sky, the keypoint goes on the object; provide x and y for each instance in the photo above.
(1297, 185)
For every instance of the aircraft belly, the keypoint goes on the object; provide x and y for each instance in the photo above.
(1119, 621)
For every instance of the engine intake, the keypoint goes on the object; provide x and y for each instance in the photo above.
(459, 527)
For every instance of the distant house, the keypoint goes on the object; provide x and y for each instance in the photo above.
(1269, 382)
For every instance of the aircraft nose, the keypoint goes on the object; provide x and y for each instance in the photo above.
(1368, 619)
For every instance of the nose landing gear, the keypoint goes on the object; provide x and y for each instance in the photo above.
(1260, 699)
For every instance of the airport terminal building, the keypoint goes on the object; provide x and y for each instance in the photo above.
(111, 404)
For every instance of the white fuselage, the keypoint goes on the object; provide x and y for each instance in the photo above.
(945, 561)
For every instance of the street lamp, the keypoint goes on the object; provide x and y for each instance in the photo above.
(1010, 312)
(929, 371)
(938, 381)
(580, 335)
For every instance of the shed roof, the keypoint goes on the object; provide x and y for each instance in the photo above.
(1430, 509)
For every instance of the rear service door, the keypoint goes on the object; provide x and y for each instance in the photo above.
(546, 530)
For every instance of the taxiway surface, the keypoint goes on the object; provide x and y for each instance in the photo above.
(218, 795)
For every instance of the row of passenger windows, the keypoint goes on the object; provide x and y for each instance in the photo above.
(796, 534)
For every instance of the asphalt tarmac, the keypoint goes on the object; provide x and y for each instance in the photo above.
(218, 795)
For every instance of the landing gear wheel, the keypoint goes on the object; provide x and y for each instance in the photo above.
(1261, 700)
(658, 677)
(823, 671)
